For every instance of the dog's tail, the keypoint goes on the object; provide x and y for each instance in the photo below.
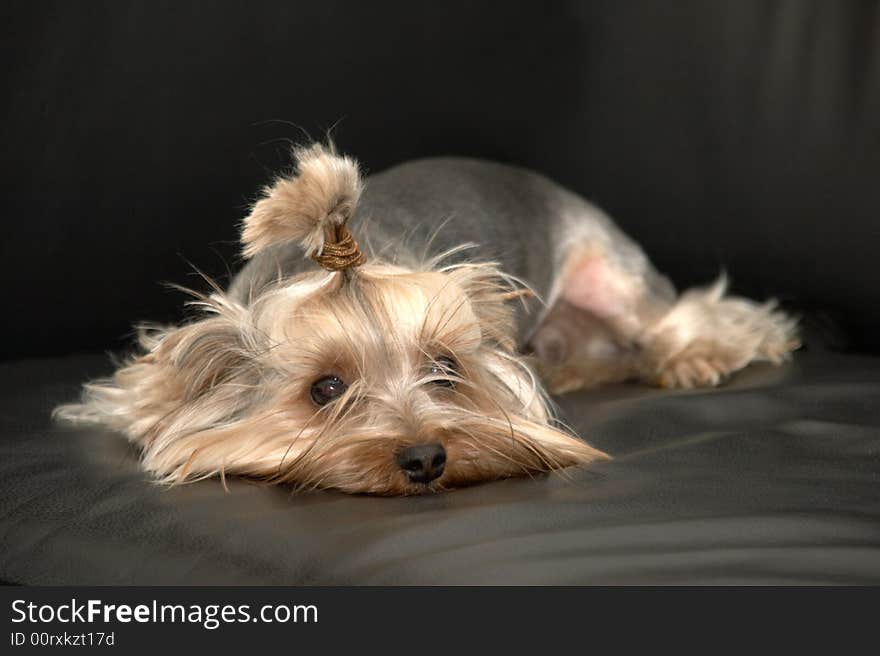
(311, 206)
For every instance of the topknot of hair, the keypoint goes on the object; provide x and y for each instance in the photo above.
(310, 206)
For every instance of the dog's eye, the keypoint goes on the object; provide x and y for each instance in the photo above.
(327, 389)
(442, 368)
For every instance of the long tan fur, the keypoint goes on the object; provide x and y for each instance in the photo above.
(304, 207)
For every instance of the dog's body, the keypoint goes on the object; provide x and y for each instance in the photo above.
(400, 368)
(602, 314)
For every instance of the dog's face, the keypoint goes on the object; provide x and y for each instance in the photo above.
(395, 382)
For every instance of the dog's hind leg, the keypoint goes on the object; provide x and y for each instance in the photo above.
(598, 309)
(615, 318)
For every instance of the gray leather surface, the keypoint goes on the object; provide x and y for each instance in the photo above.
(773, 479)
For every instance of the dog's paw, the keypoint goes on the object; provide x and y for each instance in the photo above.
(690, 371)
(706, 336)
(779, 348)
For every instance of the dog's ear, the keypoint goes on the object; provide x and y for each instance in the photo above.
(309, 206)
(493, 297)
(189, 378)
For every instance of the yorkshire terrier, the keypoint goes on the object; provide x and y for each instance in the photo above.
(405, 365)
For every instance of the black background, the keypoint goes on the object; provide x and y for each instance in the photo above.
(740, 134)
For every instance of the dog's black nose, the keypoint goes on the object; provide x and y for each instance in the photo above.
(423, 462)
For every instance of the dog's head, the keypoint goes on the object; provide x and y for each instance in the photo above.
(362, 376)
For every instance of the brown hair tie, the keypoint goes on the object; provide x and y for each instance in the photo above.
(341, 253)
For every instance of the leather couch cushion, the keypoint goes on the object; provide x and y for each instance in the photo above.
(774, 478)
